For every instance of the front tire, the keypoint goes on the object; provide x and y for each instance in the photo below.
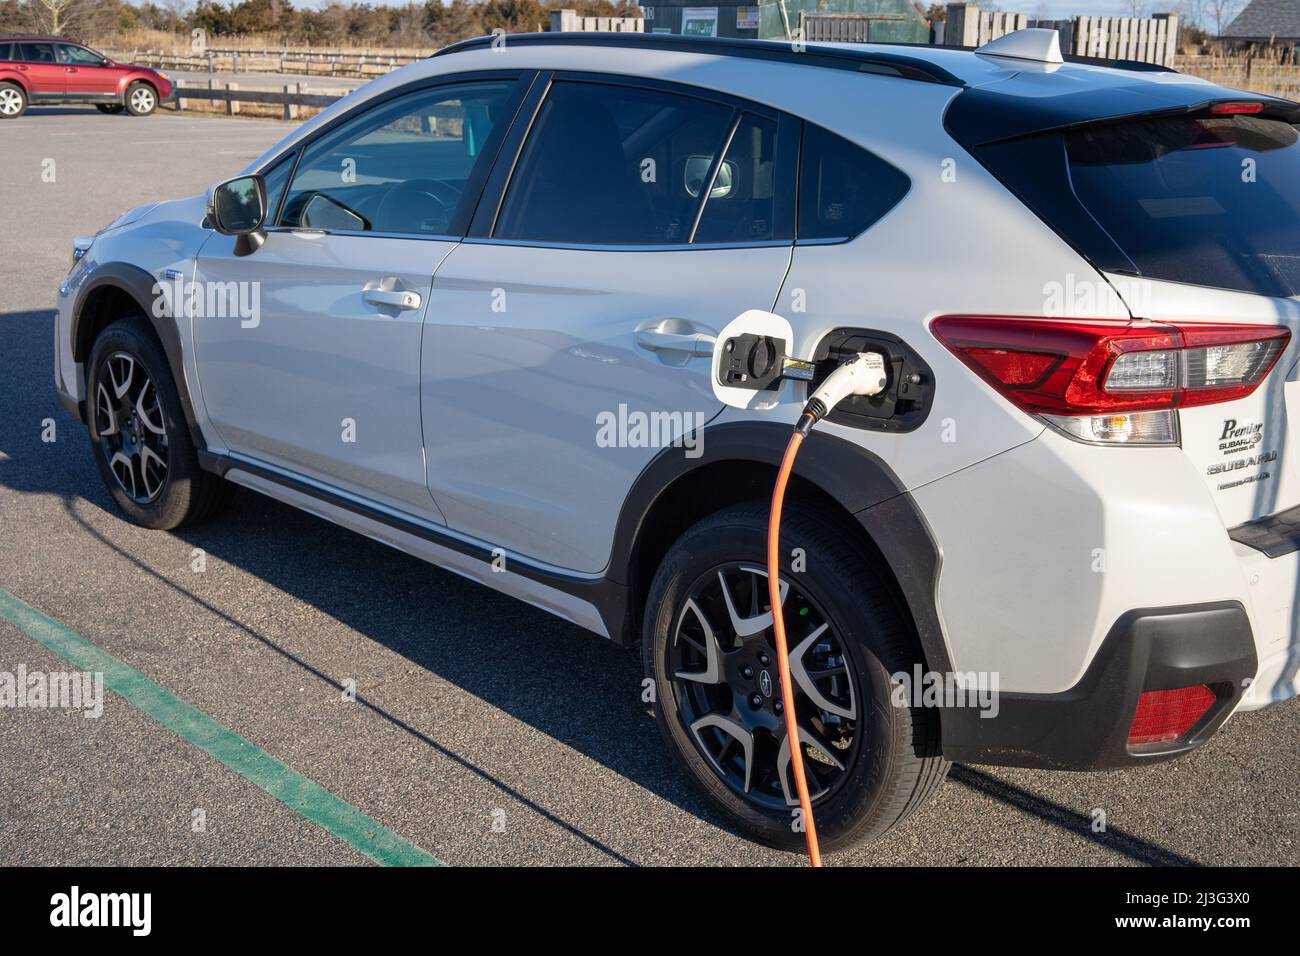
(139, 435)
(141, 99)
(710, 649)
(13, 101)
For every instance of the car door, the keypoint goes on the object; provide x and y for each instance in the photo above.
(568, 339)
(45, 76)
(324, 380)
(85, 73)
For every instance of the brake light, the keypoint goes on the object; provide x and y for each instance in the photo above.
(1064, 367)
(1236, 109)
(1165, 715)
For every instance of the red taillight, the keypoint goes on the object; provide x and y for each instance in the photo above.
(1065, 367)
(1236, 109)
(1165, 715)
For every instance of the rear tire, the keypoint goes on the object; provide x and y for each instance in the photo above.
(139, 434)
(889, 758)
(13, 101)
(141, 99)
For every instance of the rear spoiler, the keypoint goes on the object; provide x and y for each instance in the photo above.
(1017, 107)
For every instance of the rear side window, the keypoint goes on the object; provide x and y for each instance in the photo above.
(1206, 200)
(743, 204)
(843, 189)
(615, 165)
(6, 52)
(36, 52)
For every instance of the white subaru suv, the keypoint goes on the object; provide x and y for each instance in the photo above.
(484, 310)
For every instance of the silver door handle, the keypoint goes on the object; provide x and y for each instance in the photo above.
(393, 298)
(696, 344)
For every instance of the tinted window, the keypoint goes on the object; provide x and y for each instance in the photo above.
(613, 165)
(1212, 201)
(77, 56)
(36, 52)
(6, 51)
(742, 204)
(401, 167)
(277, 177)
(843, 189)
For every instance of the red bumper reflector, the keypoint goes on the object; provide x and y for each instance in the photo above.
(1165, 715)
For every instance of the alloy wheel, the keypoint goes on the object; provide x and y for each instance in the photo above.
(725, 680)
(130, 427)
(142, 100)
(11, 101)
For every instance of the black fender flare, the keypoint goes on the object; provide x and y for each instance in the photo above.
(860, 481)
(139, 285)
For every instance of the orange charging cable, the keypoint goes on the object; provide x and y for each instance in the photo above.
(782, 647)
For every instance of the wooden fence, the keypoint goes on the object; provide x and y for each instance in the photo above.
(1248, 71)
(1150, 40)
(291, 102)
(307, 63)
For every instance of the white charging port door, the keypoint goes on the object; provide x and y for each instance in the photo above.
(753, 322)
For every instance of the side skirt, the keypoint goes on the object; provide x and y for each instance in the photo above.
(594, 603)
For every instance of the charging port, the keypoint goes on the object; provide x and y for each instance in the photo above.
(904, 404)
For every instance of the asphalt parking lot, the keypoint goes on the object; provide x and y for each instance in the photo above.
(483, 730)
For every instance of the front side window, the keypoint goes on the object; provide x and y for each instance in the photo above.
(77, 56)
(36, 52)
(607, 164)
(276, 178)
(401, 167)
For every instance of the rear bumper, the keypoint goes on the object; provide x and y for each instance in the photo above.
(1086, 727)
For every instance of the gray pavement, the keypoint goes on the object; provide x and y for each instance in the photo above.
(472, 708)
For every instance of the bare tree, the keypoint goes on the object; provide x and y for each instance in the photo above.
(1223, 12)
(1138, 8)
(56, 17)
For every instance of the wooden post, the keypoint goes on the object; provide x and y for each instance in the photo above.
(232, 105)
(291, 109)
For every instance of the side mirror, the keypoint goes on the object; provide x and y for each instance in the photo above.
(237, 207)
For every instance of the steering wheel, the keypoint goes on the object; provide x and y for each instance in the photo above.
(413, 205)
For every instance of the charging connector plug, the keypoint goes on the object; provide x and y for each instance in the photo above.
(863, 373)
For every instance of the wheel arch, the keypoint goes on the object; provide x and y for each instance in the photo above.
(119, 289)
(16, 80)
(739, 462)
(128, 81)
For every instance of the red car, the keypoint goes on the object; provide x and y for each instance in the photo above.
(42, 70)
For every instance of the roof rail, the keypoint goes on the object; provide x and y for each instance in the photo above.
(860, 61)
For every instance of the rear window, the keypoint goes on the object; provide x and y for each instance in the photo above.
(1212, 201)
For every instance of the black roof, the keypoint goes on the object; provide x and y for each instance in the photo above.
(860, 61)
(1264, 19)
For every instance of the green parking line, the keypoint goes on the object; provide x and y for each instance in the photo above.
(248, 760)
